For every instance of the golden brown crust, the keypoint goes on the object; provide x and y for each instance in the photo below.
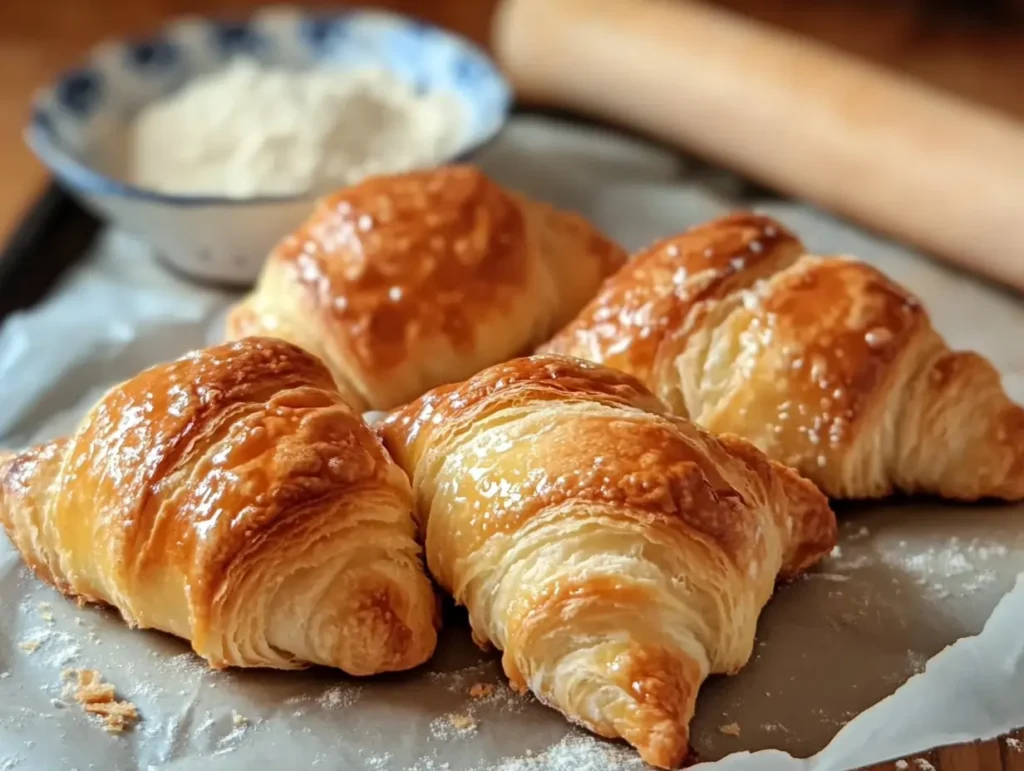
(626, 323)
(25, 478)
(216, 497)
(558, 377)
(615, 553)
(407, 281)
(823, 363)
(398, 259)
(842, 325)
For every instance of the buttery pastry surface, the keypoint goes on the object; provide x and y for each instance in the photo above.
(615, 553)
(823, 363)
(408, 281)
(231, 498)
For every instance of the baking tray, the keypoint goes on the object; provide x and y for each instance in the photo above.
(58, 233)
(55, 233)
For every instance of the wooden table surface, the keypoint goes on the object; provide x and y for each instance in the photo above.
(38, 40)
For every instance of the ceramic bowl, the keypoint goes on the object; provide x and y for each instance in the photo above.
(77, 121)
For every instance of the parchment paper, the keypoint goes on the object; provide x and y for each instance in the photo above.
(908, 580)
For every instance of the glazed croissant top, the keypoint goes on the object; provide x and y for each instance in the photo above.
(823, 363)
(408, 281)
(231, 498)
(617, 554)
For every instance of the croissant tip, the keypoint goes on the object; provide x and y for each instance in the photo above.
(668, 748)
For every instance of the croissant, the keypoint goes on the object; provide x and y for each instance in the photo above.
(232, 499)
(822, 363)
(405, 282)
(618, 555)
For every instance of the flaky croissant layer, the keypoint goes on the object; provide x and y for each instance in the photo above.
(232, 498)
(824, 364)
(407, 281)
(616, 554)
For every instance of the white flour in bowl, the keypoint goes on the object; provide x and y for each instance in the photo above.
(247, 131)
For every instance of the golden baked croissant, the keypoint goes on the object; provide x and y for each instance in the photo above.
(824, 364)
(617, 554)
(232, 499)
(405, 282)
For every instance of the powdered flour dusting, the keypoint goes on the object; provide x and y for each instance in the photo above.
(247, 131)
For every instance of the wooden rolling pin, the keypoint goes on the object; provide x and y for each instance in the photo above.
(895, 155)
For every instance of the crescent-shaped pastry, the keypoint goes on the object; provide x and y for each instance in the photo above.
(617, 554)
(231, 498)
(405, 282)
(823, 363)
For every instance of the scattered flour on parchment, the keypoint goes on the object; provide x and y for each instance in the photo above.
(336, 697)
(916, 662)
(477, 684)
(57, 649)
(229, 742)
(574, 753)
(454, 725)
(340, 696)
(429, 763)
(183, 665)
(955, 568)
(378, 761)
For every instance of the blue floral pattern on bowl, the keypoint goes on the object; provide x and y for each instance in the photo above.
(77, 115)
(78, 125)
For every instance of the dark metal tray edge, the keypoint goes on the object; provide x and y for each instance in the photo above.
(54, 234)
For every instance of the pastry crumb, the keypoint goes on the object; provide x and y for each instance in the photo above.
(1015, 744)
(46, 612)
(29, 646)
(481, 690)
(4, 675)
(238, 719)
(462, 722)
(453, 725)
(902, 765)
(86, 686)
(923, 764)
(729, 729)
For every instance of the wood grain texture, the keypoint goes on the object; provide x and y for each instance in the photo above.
(1005, 754)
(39, 40)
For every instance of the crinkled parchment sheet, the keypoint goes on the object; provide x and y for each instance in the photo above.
(854, 656)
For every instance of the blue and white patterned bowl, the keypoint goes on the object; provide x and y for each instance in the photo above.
(79, 124)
